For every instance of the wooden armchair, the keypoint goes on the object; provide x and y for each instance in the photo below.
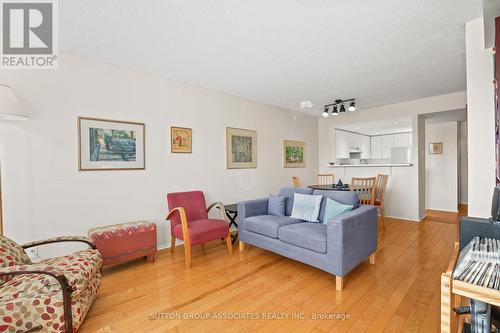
(189, 221)
(53, 295)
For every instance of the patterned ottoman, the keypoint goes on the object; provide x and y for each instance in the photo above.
(124, 242)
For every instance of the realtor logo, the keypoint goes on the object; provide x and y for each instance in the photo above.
(29, 39)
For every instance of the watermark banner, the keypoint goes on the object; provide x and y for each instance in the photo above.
(29, 34)
(249, 316)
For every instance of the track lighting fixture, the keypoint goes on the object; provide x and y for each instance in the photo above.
(352, 107)
(339, 106)
(325, 112)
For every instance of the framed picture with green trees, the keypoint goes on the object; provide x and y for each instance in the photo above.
(110, 145)
(294, 154)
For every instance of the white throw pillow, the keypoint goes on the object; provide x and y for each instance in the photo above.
(306, 207)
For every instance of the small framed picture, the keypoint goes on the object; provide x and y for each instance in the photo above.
(293, 154)
(435, 148)
(110, 145)
(181, 140)
(241, 145)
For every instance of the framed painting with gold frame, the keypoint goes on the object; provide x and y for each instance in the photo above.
(241, 147)
(105, 144)
(294, 154)
(181, 140)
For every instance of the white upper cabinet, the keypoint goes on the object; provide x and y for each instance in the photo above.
(387, 144)
(376, 147)
(403, 140)
(341, 144)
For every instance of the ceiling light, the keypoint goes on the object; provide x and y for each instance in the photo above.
(306, 104)
(396, 123)
(325, 112)
(339, 105)
(352, 107)
(10, 107)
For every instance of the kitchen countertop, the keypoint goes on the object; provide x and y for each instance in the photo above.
(370, 165)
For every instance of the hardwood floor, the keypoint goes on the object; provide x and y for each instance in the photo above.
(400, 293)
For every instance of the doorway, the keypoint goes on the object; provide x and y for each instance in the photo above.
(444, 182)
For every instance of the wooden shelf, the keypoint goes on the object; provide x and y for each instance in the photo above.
(451, 292)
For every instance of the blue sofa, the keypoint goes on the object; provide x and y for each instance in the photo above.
(335, 247)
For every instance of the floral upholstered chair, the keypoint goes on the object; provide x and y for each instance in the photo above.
(53, 295)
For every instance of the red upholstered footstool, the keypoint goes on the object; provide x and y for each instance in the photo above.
(124, 242)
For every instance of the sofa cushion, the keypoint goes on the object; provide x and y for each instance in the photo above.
(288, 192)
(11, 254)
(344, 197)
(334, 208)
(276, 205)
(308, 235)
(268, 225)
(306, 207)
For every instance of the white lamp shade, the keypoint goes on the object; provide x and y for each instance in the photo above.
(10, 108)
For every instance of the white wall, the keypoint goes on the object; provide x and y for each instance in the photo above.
(481, 120)
(402, 198)
(463, 182)
(45, 195)
(441, 179)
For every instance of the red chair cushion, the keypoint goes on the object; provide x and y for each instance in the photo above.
(202, 231)
(193, 203)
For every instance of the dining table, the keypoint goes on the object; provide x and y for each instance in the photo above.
(332, 187)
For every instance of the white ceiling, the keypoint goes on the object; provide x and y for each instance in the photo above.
(281, 52)
(380, 127)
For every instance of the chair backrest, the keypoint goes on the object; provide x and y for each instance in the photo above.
(296, 181)
(193, 203)
(365, 188)
(380, 187)
(326, 179)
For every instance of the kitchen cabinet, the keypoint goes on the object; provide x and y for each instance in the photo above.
(346, 142)
(403, 140)
(387, 144)
(342, 144)
(376, 147)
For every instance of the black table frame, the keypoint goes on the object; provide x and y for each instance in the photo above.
(232, 214)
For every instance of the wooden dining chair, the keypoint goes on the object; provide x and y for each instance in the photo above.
(326, 179)
(296, 181)
(365, 188)
(380, 186)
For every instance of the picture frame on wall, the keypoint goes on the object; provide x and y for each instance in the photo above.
(241, 147)
(435, 148)
(294, 154)
(181, 140)
(105, 144)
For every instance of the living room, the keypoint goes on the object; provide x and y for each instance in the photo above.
(116, 140)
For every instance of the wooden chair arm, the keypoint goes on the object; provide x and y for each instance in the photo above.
(184, 222)
(221, 207)
(65, 289)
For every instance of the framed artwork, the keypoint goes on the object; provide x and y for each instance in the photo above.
(241, 148)
(181, 140)
(110, 145)
(435, 148)
(293, 154)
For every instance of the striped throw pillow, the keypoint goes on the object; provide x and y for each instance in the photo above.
(306, 207)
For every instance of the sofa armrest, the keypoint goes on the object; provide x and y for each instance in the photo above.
(61, 279)
(472, 226)
(60, 240)
(351, 238)
(251, 208)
